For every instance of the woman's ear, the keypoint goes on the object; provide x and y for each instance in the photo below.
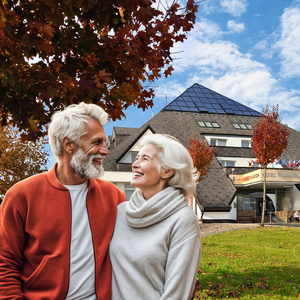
(167, 174)
(68, 145)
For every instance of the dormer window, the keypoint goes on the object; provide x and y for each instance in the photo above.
(246, 144)
(217, 142)
(242, 126)
(208, 124)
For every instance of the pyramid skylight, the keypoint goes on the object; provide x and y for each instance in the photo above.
(198, 98)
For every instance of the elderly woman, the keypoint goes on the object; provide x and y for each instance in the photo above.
(155, 249)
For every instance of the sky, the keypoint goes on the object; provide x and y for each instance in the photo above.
(248, 51)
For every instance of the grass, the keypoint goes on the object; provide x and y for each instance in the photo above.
(260, 263)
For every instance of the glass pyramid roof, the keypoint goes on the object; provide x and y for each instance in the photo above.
(198, 98)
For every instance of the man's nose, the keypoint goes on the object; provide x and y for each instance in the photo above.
(104, 150)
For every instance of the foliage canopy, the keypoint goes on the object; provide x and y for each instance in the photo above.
(270, 137)
(19, 159)
(55, 53)
(202, 155)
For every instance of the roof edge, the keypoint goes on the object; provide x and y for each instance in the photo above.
(134, 141)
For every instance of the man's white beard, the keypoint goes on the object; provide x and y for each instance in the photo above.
(84, 166)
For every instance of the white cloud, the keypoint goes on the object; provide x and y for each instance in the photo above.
(235, 27)
(207, 7)
(170, 90)
(214, 58)
(288, 44)
(262, 45)
(205, 30)
(250, 88)
(234, 7)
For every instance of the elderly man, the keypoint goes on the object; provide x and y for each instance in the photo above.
(55, 228)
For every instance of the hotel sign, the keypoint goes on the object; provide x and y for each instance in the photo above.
(272, 176)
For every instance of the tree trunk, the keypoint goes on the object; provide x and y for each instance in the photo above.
(264, 197)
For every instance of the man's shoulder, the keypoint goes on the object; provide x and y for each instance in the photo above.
(32, 180)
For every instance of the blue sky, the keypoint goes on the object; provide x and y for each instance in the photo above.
(248, 51)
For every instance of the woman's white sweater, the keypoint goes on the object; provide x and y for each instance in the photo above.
(155, 249)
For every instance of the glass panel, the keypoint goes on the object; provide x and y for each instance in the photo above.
(207, 105)
(247, 203)
(133, 157)
(249, 126)
(213, 142)
(243, 126)
(246, 144)
(214, 124)
(201, 124)
(222, 143)
(209, 96)
(236, 126)
(211, 110)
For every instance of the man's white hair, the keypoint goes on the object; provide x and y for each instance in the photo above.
(173, 155)
(70, 123)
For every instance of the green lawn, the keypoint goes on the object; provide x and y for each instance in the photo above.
(260, 263)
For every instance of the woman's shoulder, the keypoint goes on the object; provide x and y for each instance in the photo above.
(185, 218)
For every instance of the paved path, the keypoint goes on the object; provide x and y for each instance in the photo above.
(213, 228)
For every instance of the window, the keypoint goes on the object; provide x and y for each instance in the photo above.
(133, 156)
(208, 124)
(246, 144)
(217, 142)
(128, 191)
(227, 163)
(215, 124)
(242, 126)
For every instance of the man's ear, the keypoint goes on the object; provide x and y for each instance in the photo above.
(68, 145)
(167, 174)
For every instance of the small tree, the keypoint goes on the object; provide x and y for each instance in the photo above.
(19, 159)
(269, 139)
(202, 155)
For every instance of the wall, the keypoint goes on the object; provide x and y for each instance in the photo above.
(232, 141)
(239, 161)
(294, 194)
(216, 216)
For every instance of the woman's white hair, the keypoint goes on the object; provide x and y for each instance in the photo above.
(70, 123)
(173, 155)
